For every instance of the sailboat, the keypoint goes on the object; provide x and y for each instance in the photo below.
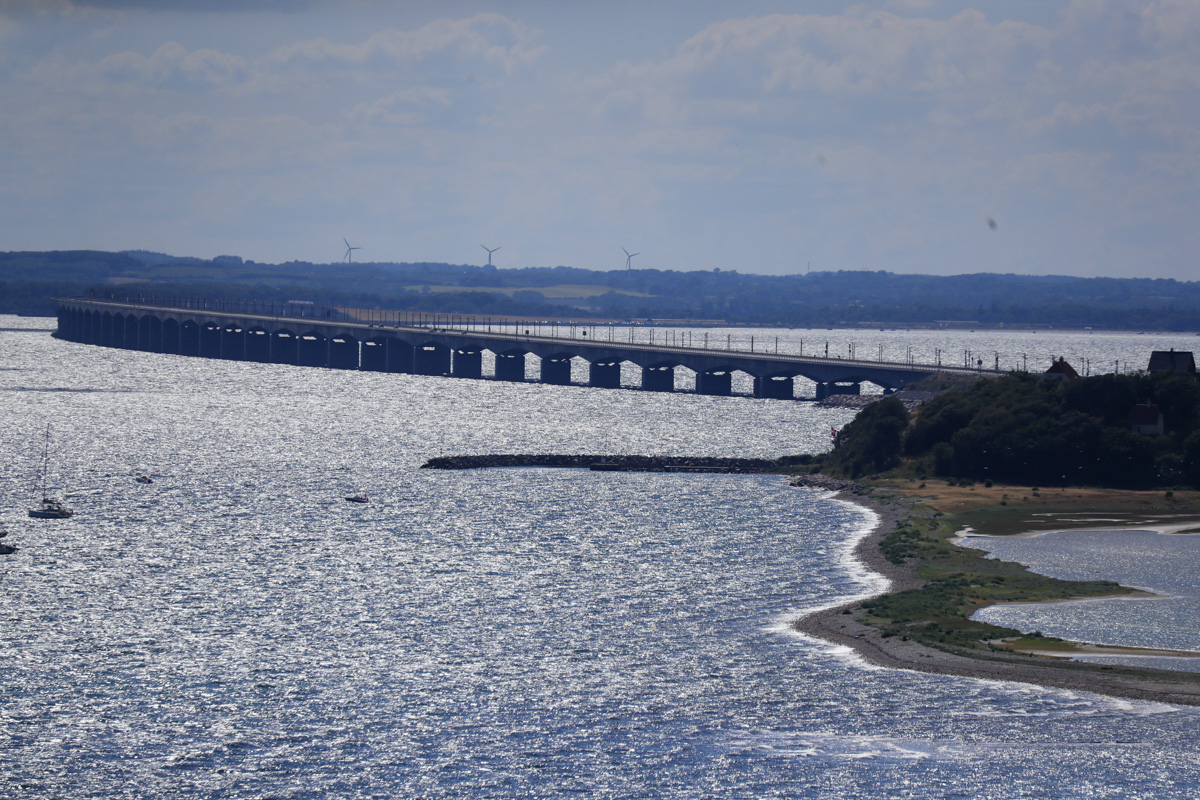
(50, 508)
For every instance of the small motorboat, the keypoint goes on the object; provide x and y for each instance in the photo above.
(358, 498)
(144, 479)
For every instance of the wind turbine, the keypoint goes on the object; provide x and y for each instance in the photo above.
(349, 251)
(629, 258)
(490, 251)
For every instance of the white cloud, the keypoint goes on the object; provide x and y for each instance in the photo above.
(474, 38)
(172, 62)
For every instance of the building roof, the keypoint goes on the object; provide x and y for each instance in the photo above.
(1061, 367)
(1163, 360)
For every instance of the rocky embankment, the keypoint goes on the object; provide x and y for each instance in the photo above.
(614, 463)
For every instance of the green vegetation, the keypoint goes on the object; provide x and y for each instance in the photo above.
(1021, 429)
(958, 581)
(998, 455)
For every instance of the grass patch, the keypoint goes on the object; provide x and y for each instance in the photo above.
(961, 580)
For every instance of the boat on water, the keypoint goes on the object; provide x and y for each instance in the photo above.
(50, 508)
(144, 479)
(6, 549)
(358, 498)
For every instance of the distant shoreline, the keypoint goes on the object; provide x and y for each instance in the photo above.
(839, 625)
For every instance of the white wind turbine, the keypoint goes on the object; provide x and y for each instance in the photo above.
(349, 251)
(490, 251)
(629, 258)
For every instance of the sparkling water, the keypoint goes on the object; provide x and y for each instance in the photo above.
(236, 629)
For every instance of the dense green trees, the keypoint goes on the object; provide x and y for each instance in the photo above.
(1027, 430)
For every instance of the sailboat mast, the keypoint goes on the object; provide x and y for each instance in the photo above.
(45, 460)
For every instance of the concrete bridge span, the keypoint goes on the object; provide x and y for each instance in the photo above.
(303, 335)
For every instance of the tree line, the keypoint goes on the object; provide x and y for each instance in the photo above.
(1027, 430)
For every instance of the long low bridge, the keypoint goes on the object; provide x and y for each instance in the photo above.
(304, 335)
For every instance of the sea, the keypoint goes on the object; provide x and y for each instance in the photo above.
(237, 629)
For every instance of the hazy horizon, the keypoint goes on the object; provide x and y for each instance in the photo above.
(909, 136)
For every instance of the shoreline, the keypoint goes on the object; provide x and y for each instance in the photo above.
(839, 626)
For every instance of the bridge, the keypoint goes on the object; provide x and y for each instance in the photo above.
(302, 334)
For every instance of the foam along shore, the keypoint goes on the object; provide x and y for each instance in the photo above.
(841, 625)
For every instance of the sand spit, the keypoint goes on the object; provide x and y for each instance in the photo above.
(835, 625)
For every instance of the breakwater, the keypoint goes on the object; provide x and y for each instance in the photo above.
(616, 463)
(625, 463)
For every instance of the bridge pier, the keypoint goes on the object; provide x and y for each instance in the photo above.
(719, 384)
(432, 359)
(117, 331)
(467, 364)
(128, 334)
(774, 387)
(658, 379)
(556, 370)
(170, 337)
(605, 374)
(285, 348)
(233, 343)
(189, 339)
(143, 333)
(155, 342)
(401, 356)
(374, 355)
(510, 367)
(210, 340)
(258, 346)
(343, 352)
(829, 389)
(312, 350)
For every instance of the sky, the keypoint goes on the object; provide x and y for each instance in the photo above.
(769, 137)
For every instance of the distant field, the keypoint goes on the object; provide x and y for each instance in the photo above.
(558, 292)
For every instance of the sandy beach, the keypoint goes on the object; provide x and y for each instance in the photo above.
(835, 625)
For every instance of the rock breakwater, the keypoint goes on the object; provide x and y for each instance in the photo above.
(615, 463)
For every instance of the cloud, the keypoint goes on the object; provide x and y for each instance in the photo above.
(487, 37)
(173, 62)
(399, 108)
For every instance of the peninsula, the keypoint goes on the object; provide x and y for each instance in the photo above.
(932, 475)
